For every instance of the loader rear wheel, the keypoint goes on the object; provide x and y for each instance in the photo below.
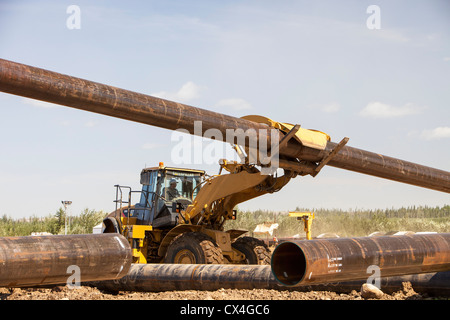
(255, 250)
(193, 248)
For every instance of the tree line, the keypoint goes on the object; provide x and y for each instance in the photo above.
(353, 222)
(58, 223)
(349, 223)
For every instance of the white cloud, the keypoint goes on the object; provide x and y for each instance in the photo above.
(436, 133)
(382, 110)
(188, 91)
(446, 59)
(234, 103)
(40, 104)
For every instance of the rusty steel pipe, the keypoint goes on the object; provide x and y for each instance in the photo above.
(435, 284)
(169, 277)
(40, 84)
(41, 260)
(390, 168)
(317, 261)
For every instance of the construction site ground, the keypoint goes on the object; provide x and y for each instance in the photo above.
(92, 293)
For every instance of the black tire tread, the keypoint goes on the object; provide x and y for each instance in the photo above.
(211, 251)
(257, 246)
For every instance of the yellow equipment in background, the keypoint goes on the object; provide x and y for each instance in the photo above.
(307, 218)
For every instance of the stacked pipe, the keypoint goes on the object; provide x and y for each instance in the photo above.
(40, 84)
(170, 277)
(321, 264)
(105, 261)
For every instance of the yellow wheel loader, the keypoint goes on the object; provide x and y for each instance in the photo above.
(181, 214)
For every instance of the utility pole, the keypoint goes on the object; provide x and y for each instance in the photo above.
(65, 204)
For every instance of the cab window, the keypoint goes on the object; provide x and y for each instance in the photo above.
(181, 184)
(148, 190)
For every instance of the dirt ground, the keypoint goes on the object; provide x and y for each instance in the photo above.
(92, 293)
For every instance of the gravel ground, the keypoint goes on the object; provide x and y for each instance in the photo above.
(92, 293)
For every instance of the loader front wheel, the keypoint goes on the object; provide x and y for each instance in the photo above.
(193, 248)
(255, 250)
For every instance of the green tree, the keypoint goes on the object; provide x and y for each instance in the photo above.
(89, 219)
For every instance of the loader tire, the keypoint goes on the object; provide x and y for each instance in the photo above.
(193, 248)
(255, 250)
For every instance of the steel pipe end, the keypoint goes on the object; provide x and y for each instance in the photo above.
(288, 264)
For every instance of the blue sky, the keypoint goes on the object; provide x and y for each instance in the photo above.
(313, 63)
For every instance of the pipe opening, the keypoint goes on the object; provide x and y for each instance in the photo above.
(288, 264)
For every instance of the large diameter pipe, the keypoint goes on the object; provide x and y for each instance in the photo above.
(435, 284)
(169, 277)
(317, 261)
(61, 259)
(382, 166)
(40, 84)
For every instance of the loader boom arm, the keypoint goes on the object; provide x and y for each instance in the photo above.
(216, 200)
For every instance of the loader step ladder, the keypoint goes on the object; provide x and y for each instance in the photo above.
(119, 199)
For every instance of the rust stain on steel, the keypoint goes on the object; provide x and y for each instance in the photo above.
(162, 277)
(390, 168)
(436, 283)
(334, 260)
(91, 96)
(40, 84)
(193, 273)
(165, 277)
(37, 260)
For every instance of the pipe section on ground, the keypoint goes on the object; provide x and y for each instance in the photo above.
(42, 260)
(304, 262)
(433, 284)
(41, 84)
(168, 277)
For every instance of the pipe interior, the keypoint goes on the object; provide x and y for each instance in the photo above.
(288, 264)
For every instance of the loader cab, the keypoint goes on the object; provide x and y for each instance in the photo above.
(164, 191)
